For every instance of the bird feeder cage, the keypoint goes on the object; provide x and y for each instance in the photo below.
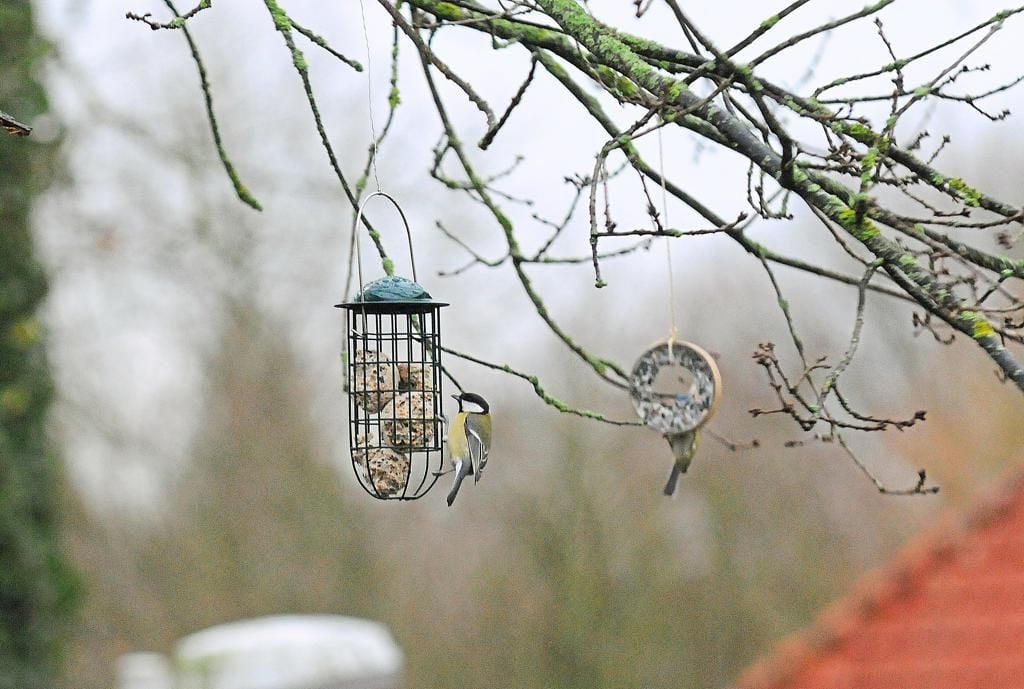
(393, 379)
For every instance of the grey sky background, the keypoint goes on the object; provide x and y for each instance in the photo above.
(138, 244)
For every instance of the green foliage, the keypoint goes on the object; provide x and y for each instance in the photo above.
(37, 590)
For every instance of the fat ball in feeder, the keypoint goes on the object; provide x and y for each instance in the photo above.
(406, 421)
(386, 470)
(373, 382)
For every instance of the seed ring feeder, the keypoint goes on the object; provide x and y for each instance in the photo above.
(392, 365)
(675, 412)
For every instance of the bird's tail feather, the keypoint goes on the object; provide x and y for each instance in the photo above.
(673, 479)
(460, 474)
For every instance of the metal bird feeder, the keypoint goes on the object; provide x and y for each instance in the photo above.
(684, 407)
(393, 379)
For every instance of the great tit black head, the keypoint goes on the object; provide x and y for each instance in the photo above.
(472, 398)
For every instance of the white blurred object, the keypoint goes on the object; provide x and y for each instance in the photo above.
(287, 652)
(144, 671)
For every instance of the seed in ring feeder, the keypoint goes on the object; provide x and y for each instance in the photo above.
(681, 411)
(373, 380)
(408, 420)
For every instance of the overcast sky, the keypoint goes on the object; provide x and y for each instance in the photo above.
(130, 333)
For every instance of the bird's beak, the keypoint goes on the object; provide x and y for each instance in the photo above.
(456, 397)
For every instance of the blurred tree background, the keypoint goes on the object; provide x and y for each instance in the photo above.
(200, 411)
(37, 588)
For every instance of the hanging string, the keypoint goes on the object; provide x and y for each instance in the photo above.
(673, 331)
(369, 96)
(353, 248)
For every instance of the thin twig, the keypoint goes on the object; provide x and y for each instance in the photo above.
(243, 193)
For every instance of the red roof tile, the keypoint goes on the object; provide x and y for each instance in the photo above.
(948, 613)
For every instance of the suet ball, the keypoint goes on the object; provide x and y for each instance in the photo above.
(416, 377)
(373, 381)
(407, 420)
(386, 470)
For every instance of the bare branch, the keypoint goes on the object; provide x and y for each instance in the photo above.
(856, 176)
(427, 54)
(177, 23)
(12, 126)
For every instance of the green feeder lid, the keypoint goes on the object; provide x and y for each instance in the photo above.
(392, 293)
(392, 288)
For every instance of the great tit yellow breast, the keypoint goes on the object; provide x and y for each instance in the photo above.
(458, 445)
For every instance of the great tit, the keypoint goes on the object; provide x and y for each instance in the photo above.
(684, 447)
(469, 441)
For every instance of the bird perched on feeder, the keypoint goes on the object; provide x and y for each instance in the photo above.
(469, 441)
(684, 447)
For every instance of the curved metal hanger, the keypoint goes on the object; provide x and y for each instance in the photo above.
(408, 234)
